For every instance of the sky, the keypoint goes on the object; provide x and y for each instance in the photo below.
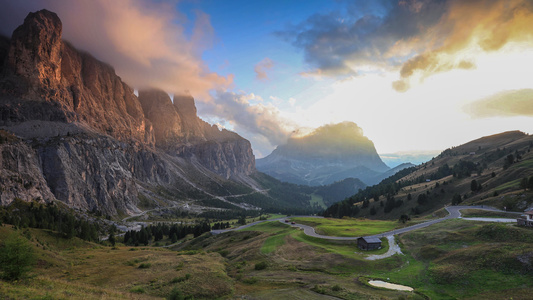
(415, 75)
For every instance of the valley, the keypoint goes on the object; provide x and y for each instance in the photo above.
(272, 259)
(143, 183)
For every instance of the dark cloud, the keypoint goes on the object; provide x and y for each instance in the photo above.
(422, 37)
(364, 33)
(504, 104)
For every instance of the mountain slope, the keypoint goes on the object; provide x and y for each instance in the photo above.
(329, 154)
(497, 164)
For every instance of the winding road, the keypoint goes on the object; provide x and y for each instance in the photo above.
(454, 213)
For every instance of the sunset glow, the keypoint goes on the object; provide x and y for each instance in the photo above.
(413, 74)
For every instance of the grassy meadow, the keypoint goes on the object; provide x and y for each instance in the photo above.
(453, 259)
(348, 227)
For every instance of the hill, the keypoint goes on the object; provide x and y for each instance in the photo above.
(328, 154)
(486, 171)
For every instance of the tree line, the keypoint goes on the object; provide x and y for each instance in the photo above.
(49, 216)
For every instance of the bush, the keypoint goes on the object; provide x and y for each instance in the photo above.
(251, 280)
(261, 266)
(137, 290)
(145, 265)
(16, 257)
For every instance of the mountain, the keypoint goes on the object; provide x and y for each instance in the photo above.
(72, 130)
(415, 157)
(330, 153)
(486, 171)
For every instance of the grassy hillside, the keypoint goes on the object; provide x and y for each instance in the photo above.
(496, 163)
(454, 259)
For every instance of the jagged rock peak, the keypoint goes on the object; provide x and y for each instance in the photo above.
(48, 80)
(35, 51)
(166, 121)
(185, 105)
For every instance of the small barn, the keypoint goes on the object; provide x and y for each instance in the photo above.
(368, 243)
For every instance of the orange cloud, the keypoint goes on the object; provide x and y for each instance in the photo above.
(486, 25)
(144, 41)
(262, 67)
(504, 104)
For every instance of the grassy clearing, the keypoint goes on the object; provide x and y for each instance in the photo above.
(478, 213)
(272, 243)
(74, 269)
(528, 163)
(349, 227)
(462, 259)
(508, 185)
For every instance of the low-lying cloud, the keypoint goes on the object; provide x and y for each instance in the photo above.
(255, 120)
(144, 41)
(505, 104)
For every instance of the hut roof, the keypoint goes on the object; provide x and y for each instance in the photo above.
(371, 240)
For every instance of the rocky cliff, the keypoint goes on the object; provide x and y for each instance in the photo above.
(86, 139)
(179, 131)
(330, 153)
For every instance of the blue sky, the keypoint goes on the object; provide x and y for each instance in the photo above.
(413, 74)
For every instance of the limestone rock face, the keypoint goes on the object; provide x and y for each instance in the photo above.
(35, 51)
(86, 139)
(166, 122)
(48, 79)
(20, 175)
(179, 131)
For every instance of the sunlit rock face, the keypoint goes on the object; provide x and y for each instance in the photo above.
(329, 154)
(49, 80)
(75, 132)
(179, 131)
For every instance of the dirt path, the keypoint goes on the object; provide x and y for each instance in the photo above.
(393, 249)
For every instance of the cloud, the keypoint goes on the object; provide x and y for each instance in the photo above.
(262, 67)
(254, 120)
(505, 104)
(145, 41)
(477, 25)
(346, 42)
(417, 37)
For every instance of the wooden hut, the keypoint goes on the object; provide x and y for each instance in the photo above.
(368, 243)
(526, 219)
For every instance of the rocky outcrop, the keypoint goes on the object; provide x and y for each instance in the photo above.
(179, 131)
(20, 175)
(86, 139)
(35, 50)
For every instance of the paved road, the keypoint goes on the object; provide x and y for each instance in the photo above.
(454, 212)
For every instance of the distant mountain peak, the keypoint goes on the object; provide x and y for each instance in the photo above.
(329, 153)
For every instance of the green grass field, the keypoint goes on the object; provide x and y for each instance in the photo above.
(478, 213)
(348, 227)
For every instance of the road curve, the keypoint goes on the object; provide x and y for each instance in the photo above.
(454, 213)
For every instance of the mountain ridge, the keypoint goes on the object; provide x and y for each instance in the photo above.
(485, 171)
(84, 137)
